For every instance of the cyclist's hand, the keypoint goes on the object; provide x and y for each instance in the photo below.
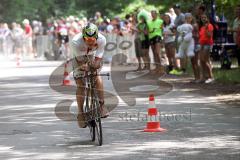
(93, 65)
(84, 67)
(96, 64)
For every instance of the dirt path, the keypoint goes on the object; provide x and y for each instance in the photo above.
(224, 93)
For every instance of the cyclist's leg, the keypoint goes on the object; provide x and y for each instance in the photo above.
(80, 95)
(99, 86)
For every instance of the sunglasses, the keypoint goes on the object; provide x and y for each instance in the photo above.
(90, 39)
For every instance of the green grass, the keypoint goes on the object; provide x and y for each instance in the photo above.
(227, 76)
(231, 76)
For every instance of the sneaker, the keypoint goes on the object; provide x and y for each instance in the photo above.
(193, 81)
(169, 68)
(176, 72)
(198, 81)
(209, 80)
(81, 120)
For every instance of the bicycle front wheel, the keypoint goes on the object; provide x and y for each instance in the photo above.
(92, 130)
(98, 123)
(99, 131)
(90, 117)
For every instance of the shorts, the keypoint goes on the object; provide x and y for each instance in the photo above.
(138, 46)
(185, 49)
(206, 48)
(18, 43)
(63, 38)
(77, 73)
(28, 42)
(145, 44)
(197, 48)
(170, 45)
(34, 42)
(156, 39)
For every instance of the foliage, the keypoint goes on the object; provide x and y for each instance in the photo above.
(17, 10)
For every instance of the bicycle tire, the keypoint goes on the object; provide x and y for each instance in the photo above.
(98, 123)
(92, 131)
(99, 131)
(90, 120)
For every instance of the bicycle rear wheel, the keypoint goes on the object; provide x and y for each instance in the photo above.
(98, 123)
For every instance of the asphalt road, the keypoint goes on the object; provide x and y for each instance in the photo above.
(31, 127)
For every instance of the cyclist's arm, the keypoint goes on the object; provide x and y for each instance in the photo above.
(76, 57)
(99, 53)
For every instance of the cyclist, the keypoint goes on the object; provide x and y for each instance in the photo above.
(63, 38)
(155, 39)
(87, 44)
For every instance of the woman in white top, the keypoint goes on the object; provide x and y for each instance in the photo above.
(169, 41)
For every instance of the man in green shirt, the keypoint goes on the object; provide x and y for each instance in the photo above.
(155, 37)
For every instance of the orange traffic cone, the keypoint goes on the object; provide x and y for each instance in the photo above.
(153, 124)
(66, 78)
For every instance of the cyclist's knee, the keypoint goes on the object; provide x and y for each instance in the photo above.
(101, 101)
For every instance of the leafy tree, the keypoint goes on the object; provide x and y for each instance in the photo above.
(17, 10)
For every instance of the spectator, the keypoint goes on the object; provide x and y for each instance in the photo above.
(185, 39)
(17, 37)
(169, 41)
(103, 26)
(172, 15)
(126, 28)
(98, 18)
(6, 39)
(110, 27)
(36, 32)
(200, 10)
(197, 48)
(117, 26)
(144, 41)
(155, 37)
(179, 20)
(28, 37)
(236, 32)
(1, 37)
(206, 42)
(73, 29)
(194, 59)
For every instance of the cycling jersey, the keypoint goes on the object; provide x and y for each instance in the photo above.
(79, 47)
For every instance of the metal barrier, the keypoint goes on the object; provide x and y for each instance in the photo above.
(120, 45)
(42, 44)
(115, 45)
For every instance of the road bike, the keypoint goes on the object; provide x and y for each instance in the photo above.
(92, 106)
